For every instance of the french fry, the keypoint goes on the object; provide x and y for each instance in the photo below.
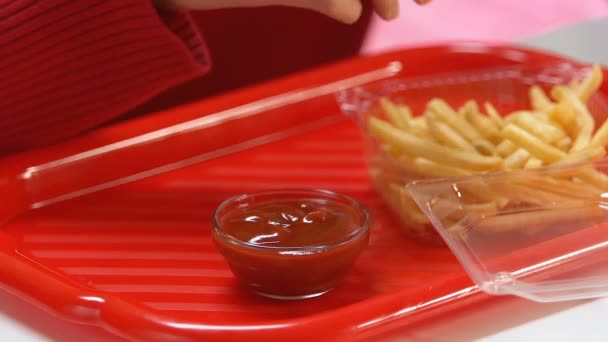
(564, 143)
(461, 111)
(559, 187)
(523, 193)
(445, 113)
(594, 177)
(544, 117)
(600, 138)
(517, 159)
(405, 111)
(494, 115)
(506, 148)
(482, 209)
(591, 153)
(516, 114)
(484, 125)
(574, 84)
(446, 210)
(444, 134)
(402, 200)
(434, 169)
(419, 122)
(390, 151)
(418, 127)
(540, 218)
(484, 147)
(540, 129)
(533, 163)
(393, 113)
(406, 163)
(562, 115)
(470, 107)
(414, 145)
(584, 120)
(483, 192)
(590, 84)
(558, 91)
(534, 145)
(539, 99)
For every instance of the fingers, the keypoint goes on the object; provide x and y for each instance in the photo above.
(346, 11)
(387, 9)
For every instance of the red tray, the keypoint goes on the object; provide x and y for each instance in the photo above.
(137, 258)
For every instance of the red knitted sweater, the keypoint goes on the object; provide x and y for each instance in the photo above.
(69, 65)
(66, 66)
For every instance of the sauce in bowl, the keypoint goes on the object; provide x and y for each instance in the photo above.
(291, 244)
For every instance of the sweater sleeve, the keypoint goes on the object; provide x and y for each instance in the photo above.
(67, 66)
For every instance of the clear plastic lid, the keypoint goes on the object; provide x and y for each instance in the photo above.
(541, 236)
(521, 204)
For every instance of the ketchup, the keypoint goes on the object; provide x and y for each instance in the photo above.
(292, 248)
(292, 224)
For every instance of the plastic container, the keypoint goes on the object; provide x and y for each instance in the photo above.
(550, 222)
(505, 87)
(264, 238)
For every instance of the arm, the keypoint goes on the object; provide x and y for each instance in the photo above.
(66, 66)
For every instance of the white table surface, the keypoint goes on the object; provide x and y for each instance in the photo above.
(508, 319)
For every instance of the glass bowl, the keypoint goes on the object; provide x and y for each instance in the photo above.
(291, 244)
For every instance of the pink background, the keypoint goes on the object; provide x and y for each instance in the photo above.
(479, 20)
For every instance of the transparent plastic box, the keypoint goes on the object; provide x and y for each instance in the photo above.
(553, 249)
(549, 244)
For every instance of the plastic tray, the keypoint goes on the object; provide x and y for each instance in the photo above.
(136, 258)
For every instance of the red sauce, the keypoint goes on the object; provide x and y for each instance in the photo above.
(292, 248)
(292, 224)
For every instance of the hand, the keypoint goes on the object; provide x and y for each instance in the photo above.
(347, 11)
